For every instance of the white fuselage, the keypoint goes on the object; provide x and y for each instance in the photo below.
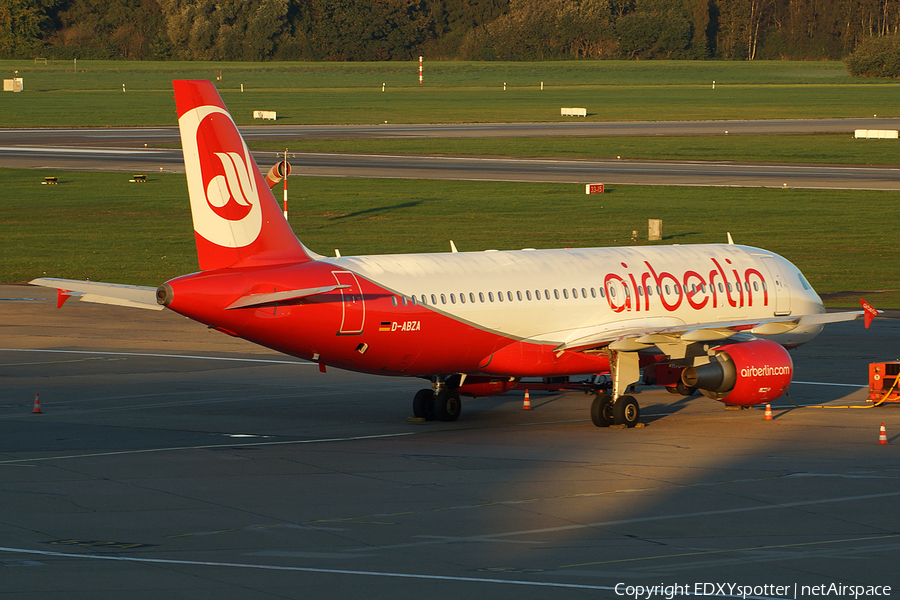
(556, 296)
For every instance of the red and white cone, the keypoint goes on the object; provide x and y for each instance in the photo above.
(527, 404)
(37, 406)
(882, 437)
(768, 415)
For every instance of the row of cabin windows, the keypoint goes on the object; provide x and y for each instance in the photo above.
(508, 295)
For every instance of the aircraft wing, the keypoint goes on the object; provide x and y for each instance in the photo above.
(635, 336)
(116, 294)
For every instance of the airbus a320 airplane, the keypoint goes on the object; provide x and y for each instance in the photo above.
(474, 323)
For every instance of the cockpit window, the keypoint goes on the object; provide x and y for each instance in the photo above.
(803, 282)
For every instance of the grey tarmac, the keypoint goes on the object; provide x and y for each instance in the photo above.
(171, 460)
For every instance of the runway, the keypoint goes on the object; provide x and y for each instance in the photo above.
(467, 168)
(136, 137)
(171, 459)
(123, 150)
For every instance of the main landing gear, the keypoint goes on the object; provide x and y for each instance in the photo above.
(441, 403)
(619, 408)
(624, 411)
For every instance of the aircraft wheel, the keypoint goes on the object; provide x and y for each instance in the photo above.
(601, 410)
(626, 411)
(447, 405)
(673, 389)
(423, 405)
(684, 390)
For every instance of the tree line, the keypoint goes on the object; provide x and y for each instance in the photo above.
(370, 30)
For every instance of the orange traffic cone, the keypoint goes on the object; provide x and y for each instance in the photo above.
(37, 406)
(882, 437)
(527, 404)
(768, 415)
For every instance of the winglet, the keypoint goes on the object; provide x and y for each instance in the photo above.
(61, 296)
(870, 312)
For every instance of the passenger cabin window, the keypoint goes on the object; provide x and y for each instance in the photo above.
(491, 296)
(500, 296)
(593, 293)
(462, 298)
(509, 295)
(394, 300)
(565, 293)
(528, 294)
(433, 299)
(452, 298)
(443, 299)
(481, 297)
(472, 297)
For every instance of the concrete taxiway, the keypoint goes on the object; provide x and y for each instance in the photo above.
(132, 150)
(173, 460)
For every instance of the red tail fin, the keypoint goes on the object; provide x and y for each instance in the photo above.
(237, 221)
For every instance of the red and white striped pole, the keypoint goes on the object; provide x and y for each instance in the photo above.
(420, 69)
(285, 184)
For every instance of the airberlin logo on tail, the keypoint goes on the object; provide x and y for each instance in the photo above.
(221, 180)
(229, 194)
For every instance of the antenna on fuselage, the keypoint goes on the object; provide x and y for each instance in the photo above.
(453, 247)
(730, 241)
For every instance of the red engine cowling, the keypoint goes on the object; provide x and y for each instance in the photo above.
(744, 374)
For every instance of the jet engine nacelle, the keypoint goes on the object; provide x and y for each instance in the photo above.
(279, 171)
(744, 374)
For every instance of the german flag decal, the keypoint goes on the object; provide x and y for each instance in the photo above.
(385, 326)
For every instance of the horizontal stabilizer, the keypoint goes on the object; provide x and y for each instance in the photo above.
(116, 294)
(259, 299)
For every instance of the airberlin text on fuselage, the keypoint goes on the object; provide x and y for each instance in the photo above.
(698, 289)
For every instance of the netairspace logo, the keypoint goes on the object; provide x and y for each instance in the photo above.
(734, 590)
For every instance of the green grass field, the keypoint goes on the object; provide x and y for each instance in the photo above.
(315, 93)
(99, 226)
